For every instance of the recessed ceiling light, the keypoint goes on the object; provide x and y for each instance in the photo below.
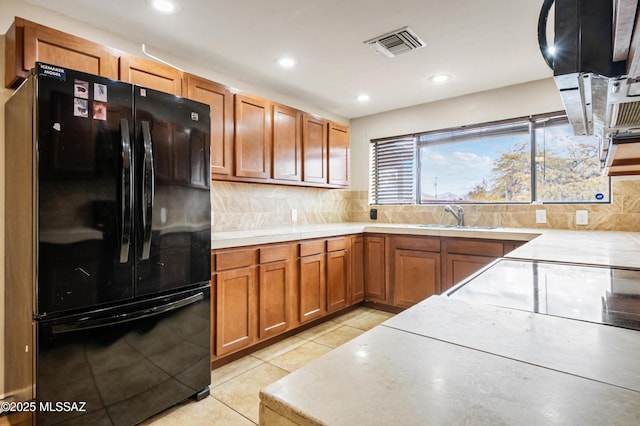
(363, 98)
(440, 78)
(164, 6)
(287, 62)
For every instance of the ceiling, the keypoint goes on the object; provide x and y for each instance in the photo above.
(483, 45)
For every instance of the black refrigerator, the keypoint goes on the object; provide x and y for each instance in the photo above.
(108, 248)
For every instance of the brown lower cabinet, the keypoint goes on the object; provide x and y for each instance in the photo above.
(416, 276)
(262, 291)
(375, 289)
(465, 256)
(312, 287)
(275, 290)
(415, 269)
(357, 270)
(338, 273)
(402, 270)
(234, 304)
(252, 295)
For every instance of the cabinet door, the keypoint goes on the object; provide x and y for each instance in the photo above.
(464, 257)
(374, 269)
(338, 154)
(416, 276)
(235, 307)
(274, 303)
(27, 42)
(337, 280)
(287, 143)
(461, 266)
(312, 302)
(220, 99)
(153, 75)
(314, 149)
(252, 137)
(356, 293)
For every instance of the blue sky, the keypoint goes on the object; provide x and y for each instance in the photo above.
(459, 167)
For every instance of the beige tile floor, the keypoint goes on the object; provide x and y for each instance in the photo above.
(234, 387)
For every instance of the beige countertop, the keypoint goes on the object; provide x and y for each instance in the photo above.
(588, 247)
(490, 366)
(444, 361)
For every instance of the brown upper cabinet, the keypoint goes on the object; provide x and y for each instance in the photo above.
(220, 99)
(151, 74)
(27, 43)
(314, 149)
(338, 154)
(252, 137)
(287, 143)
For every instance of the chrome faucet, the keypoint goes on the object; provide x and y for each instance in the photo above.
(459, 216)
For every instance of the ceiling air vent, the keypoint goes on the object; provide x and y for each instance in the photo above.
(396, 42)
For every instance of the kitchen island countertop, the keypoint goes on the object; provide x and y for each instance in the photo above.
(444, 361)
(509, 367)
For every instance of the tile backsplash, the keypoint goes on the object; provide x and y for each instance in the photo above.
(242, 206)
(623, 214)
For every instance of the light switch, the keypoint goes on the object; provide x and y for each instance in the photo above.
(541, 216)
(582, 217)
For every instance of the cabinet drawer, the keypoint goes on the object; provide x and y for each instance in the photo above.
(274, 253)
(477, 247)
(335, 244)
(308, 248)
(417, 243)
(235, 259)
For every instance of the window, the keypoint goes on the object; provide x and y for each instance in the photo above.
(520, 161)
(393, 166)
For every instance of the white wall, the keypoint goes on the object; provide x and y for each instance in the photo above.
(509, 102)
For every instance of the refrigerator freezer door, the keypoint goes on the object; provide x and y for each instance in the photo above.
(122, 365)
(173, 219)
(85, 173)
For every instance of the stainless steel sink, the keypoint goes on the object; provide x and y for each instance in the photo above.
(438, 226)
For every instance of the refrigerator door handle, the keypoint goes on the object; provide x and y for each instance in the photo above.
(89, 323)
(148, 190)
(127, 194)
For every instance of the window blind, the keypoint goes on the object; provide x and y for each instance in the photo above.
(393, 171)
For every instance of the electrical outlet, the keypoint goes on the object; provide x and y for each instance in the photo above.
(294, 215)
(582, 217)
(373, 214)
(541, 216)
(212, 219)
